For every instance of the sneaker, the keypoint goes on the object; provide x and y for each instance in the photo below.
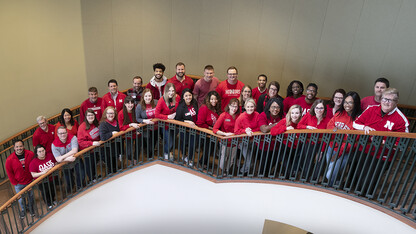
(166, 156)
(54, 203)
(189, 162)
(22, 214)
(50, 207)
(171, 156)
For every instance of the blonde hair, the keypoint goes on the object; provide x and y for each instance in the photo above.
(289, 117)
(248, 101)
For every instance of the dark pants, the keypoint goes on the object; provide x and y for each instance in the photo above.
(78, 172)
(48, 192)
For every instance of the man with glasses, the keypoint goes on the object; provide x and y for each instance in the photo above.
(64, 148)
(310, 97)
(17, 168)
(230, 88)
(44, 135)
(380, 85)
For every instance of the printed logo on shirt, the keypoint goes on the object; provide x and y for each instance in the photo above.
(389, 125)
(47, 165)
(120, 100)
(214, 119)
(22, 161)
(227, 120)
(232, 91)
(305, 111)
(94, 133)
(341, 125)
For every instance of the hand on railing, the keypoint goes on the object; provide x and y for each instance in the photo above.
(191, 123)
(249, 132)
(70, 159)
(96, 143)
(367, 129)
(134, 125)
(172, 116)
(148, 121)
(114, 133)
(310, 127)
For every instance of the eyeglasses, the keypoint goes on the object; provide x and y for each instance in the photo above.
(339, 98)
(110, 113)
(311, 91)
(388, 100)
(273, 89)
(62, 133)
(232, 106)
(319, 108)
(274, 107)
(349, 103)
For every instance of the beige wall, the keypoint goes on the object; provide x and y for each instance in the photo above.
(42, 65)
(63, 47)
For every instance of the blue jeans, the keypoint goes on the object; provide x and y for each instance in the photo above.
(79, 176)
(168, 136)
(22, 199)
(185, 138)
(334, 166)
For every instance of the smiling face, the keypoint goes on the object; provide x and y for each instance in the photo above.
(158, 74)
(296, 89)
(388, 102)
(379, 88)
(261, 82)
(233, 108)
(137, 83)
(113, 88)
(319, 110)
(213, 100)
(349, 104)
(295, 115)
(43, 124)
(19, 148)
(93, 96)
(187, 96)
(180, 71)
(148, 97)
(250, 108)
(246, 93)
(208, 75)
(62, 134)
(338, 97)
(41, 153)
(311, 93)
(274, 109)
(232, 76)
(171, 92)
(272, 91)
(67, 117)
(129, 106)
(110, 115)
(90, 118)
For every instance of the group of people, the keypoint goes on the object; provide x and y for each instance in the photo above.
(227, 108)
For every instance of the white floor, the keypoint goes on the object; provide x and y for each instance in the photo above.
(160, 199)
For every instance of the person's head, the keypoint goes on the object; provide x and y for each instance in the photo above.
(42, 122)
(351, 104)
(389, 99)
(128, 107)
(109, 114)
(40, 152)
(66, 117)
(337, 97)
(295, 88)
(232, 75)
(262, 81)
(318, 108)
(245, 93)
(208, 73)
(213, 101)
(93, 94)
(250, 106)
(90, 119)
(380, 85)
(147, 98)
(158, 70)
(233, 107)
(293, 115)
(62, 134)
(113, 86)
(170, 92)
(274, 88)
(311, 91)
(274, 108)
(187, 96)
(18, 147)
(180, 69)
(137, 83)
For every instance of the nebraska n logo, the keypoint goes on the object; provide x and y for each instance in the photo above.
(389, 125)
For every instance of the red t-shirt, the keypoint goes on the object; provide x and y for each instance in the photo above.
(255, 93)
(38, 165)
(206, 117)
(228, 91)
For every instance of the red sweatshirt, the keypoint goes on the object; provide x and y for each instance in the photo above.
(290, 101)
(309, 120)
(246, 121)
(162, 110)
(44, 138)
(305, 106)
(341, 121)
(180, 86)
(121, 120)
(225, 123)
(86, 137)
(73, 131)
(108, 101)
(280, 127)
(206, 117)
(255, 93)
(96, 107)
(228, 91)
(18, 171)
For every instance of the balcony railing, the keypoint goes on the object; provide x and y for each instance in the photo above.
(377, 169)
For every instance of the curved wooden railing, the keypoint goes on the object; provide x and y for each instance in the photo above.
(393, 190)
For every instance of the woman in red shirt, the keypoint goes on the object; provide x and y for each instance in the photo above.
(67, 120)
(293, 92)
(126, 120)
(225, 127)
(244, 95)
(335, 103)
(247, 123)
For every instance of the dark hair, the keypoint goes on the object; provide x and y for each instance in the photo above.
(383, 80)
(112, 81)
(331, 102)
(241, 94)
(61, 118)
(193, 101)
(93, 89)
(356, 111)
(179, 64)
(315, 103)
(227, 108)
(87, 124)
(261, 76)
(275, 83)
(269, 104)
(138, 77)
(232, 67)
(39, 146)
(289, 92)
(159, 65)
(143, 103)
(18, 140)
(208, 67)
(217, 108)
(126, 120)
(313, 85)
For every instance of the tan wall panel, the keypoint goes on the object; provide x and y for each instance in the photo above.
(42, 60)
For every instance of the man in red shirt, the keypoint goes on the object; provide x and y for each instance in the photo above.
(113, 98)
(93, 102)
(261, 87)
(180, 80)
(230, 88)
(306, 103)
(380, 85)
(205, 85)
(44, 135)
(17, 168)
(158, 81)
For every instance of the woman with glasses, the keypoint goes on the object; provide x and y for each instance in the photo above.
(335, 103)
(273, 92)
(293, 92)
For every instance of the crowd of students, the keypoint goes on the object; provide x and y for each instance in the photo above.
(227, 108)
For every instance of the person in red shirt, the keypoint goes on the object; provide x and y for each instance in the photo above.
(137, 90)
(93, 102)
(261, 87)
(45, 134)
(343, 119)
(335, 103)
(245, 94)
(67, 120)
(113, 98)
(225, 127)
(247, 123)
(166, 110)
(158, 82)
(89, 135)
(40, 165)
(293, 92)
(380, 85)
(180, 80)
(273, 92)
(206, 84)
(17, 168)
(306, 103)
(230, 88)
(126, 120)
